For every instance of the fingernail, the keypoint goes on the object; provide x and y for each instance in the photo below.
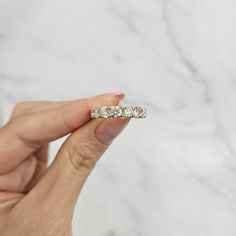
(118, 98)
(120, 95)
(109, 129)
(115, 94)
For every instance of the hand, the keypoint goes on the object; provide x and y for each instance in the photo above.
(34, 199)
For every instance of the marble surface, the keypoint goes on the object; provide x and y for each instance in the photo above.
(172, 174)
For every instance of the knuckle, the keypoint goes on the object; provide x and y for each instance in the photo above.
(83, 157)
(21, 107)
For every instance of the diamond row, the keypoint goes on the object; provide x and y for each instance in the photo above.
(118, 112)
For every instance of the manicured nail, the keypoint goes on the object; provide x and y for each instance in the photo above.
(120, 95)
(113, 98)
(115, 94)
(109, 129)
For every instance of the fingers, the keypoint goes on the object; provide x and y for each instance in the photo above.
(27, 133)
(35, 106)
(58, 190)
(41, 154)
(42, 165)
(18, 179)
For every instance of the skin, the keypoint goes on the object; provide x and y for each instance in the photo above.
(36, 199)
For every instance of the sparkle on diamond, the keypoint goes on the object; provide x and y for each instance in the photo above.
(103, 112)
(127, 112)
(116, 111)
(95, 112)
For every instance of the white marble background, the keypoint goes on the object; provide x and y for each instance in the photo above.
(173, 174)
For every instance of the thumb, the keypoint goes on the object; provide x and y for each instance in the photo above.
(59, 189)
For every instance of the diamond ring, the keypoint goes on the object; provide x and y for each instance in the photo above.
(118, 112)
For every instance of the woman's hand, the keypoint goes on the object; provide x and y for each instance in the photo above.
(34, 199)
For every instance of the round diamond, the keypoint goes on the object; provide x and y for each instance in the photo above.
(143, 113)
(117, 111)
(110, 111)
(137, 112)
(114, 111)
(104, 112)
(127, 111)
(95, 112)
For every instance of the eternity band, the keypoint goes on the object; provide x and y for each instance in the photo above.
(118, 112)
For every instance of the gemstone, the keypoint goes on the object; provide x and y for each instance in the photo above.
(143, 113)
(116, 111)
(127, 112)
(95, 112)
(104, 112)
(136, 112)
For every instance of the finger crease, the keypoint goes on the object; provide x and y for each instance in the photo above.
(28, 143)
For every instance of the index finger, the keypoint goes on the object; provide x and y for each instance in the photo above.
(25, 134)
